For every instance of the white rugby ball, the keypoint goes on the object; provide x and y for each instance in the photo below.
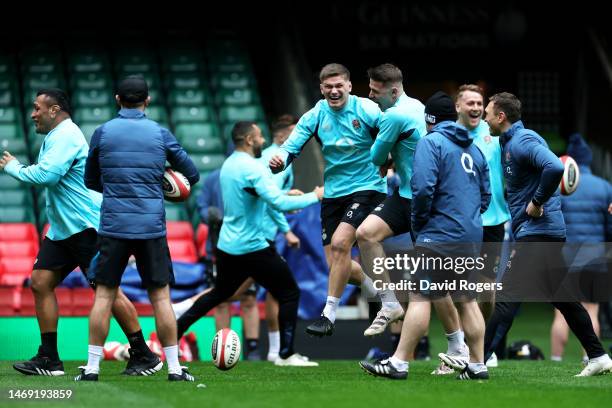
(225, 349)
(571, 175)
(175, 185)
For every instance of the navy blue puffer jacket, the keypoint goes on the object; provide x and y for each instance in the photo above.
(126, 162)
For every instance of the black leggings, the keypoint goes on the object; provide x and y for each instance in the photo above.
(270, 271)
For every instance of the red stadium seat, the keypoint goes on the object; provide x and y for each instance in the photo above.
(18, 232)
(11, 249)
(143, 309)
(202, 236)
(182, 250)
(16, 270)
(179, 230)
(82, 301)
(9, 299)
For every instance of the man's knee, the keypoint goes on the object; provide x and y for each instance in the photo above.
(42, 282)
(340, 246)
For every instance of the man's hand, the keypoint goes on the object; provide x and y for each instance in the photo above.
(276, 164)
(295, 192)
(610, 209)
(318, 190)
(292, 240)
(384, 169)
(6, 158)
(534, 210)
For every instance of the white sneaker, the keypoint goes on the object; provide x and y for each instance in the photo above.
(456, 361)
(443, 369)
(597, 366)
(492, 361)
(384, 317)
(295, 360)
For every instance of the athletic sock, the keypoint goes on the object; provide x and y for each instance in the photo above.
(477, 367)
(137, 342)
(181, 307)
(456, 342)
(49, 345)
(329, 310)
(367, 288)
(174, 366)
(252, 345)
(556, 358)
(94, 355)
(400, 365)
(274, 343)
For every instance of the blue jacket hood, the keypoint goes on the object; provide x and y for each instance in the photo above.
(579, 150)
(454, 132)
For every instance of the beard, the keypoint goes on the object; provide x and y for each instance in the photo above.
(257, 152)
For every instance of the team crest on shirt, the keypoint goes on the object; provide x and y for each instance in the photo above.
(488, 139)
(356, 124)
(354, 206)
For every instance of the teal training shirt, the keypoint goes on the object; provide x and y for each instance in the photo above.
(401, 127)
(274, 220)
(71, 207)
(247, 187)
(498, 212)
(345, 137)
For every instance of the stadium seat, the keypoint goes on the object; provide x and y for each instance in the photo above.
(184, 131)
(82, 301)
(143, 309)
(231, 114)
(16, 214)
(91, 80)
(34, 81)
(9, 300)
(135, 62)
(157, 113)
(188, 97)
(41, 62)
(21, 197)
(87, 62)
(19, 249)
(182, 250)
(198, 113)
(151, 77)
(201, 237)
(233, 80)
(182, 61)
(92, 97)
(208, 162)
(15, 146)
(27, 307)
(246, 96)
(18, 232)
(9, 183)
(175, 80)
(88, 129)
(203, 145)
(179, 230)
(11, 130)
(9, 115)
(176, 212)
(97, 114)
(16, 270)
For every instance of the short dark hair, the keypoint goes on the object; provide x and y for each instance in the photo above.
(507, 103)
(241, 130)
(58, 97)
(386, 73)
(468, 87)
(133, 90)
(283, 122)
(332, 70)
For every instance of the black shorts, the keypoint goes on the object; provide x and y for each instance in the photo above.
(65, 255)
(395, 212)
(492, 239)
(352, 209)
(433, 281)
(152, 261)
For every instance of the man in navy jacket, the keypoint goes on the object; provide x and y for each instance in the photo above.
(532, 174)
(126, 164)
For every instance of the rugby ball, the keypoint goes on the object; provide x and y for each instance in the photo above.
(176, 187)
(225, 349)
(571, 175)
